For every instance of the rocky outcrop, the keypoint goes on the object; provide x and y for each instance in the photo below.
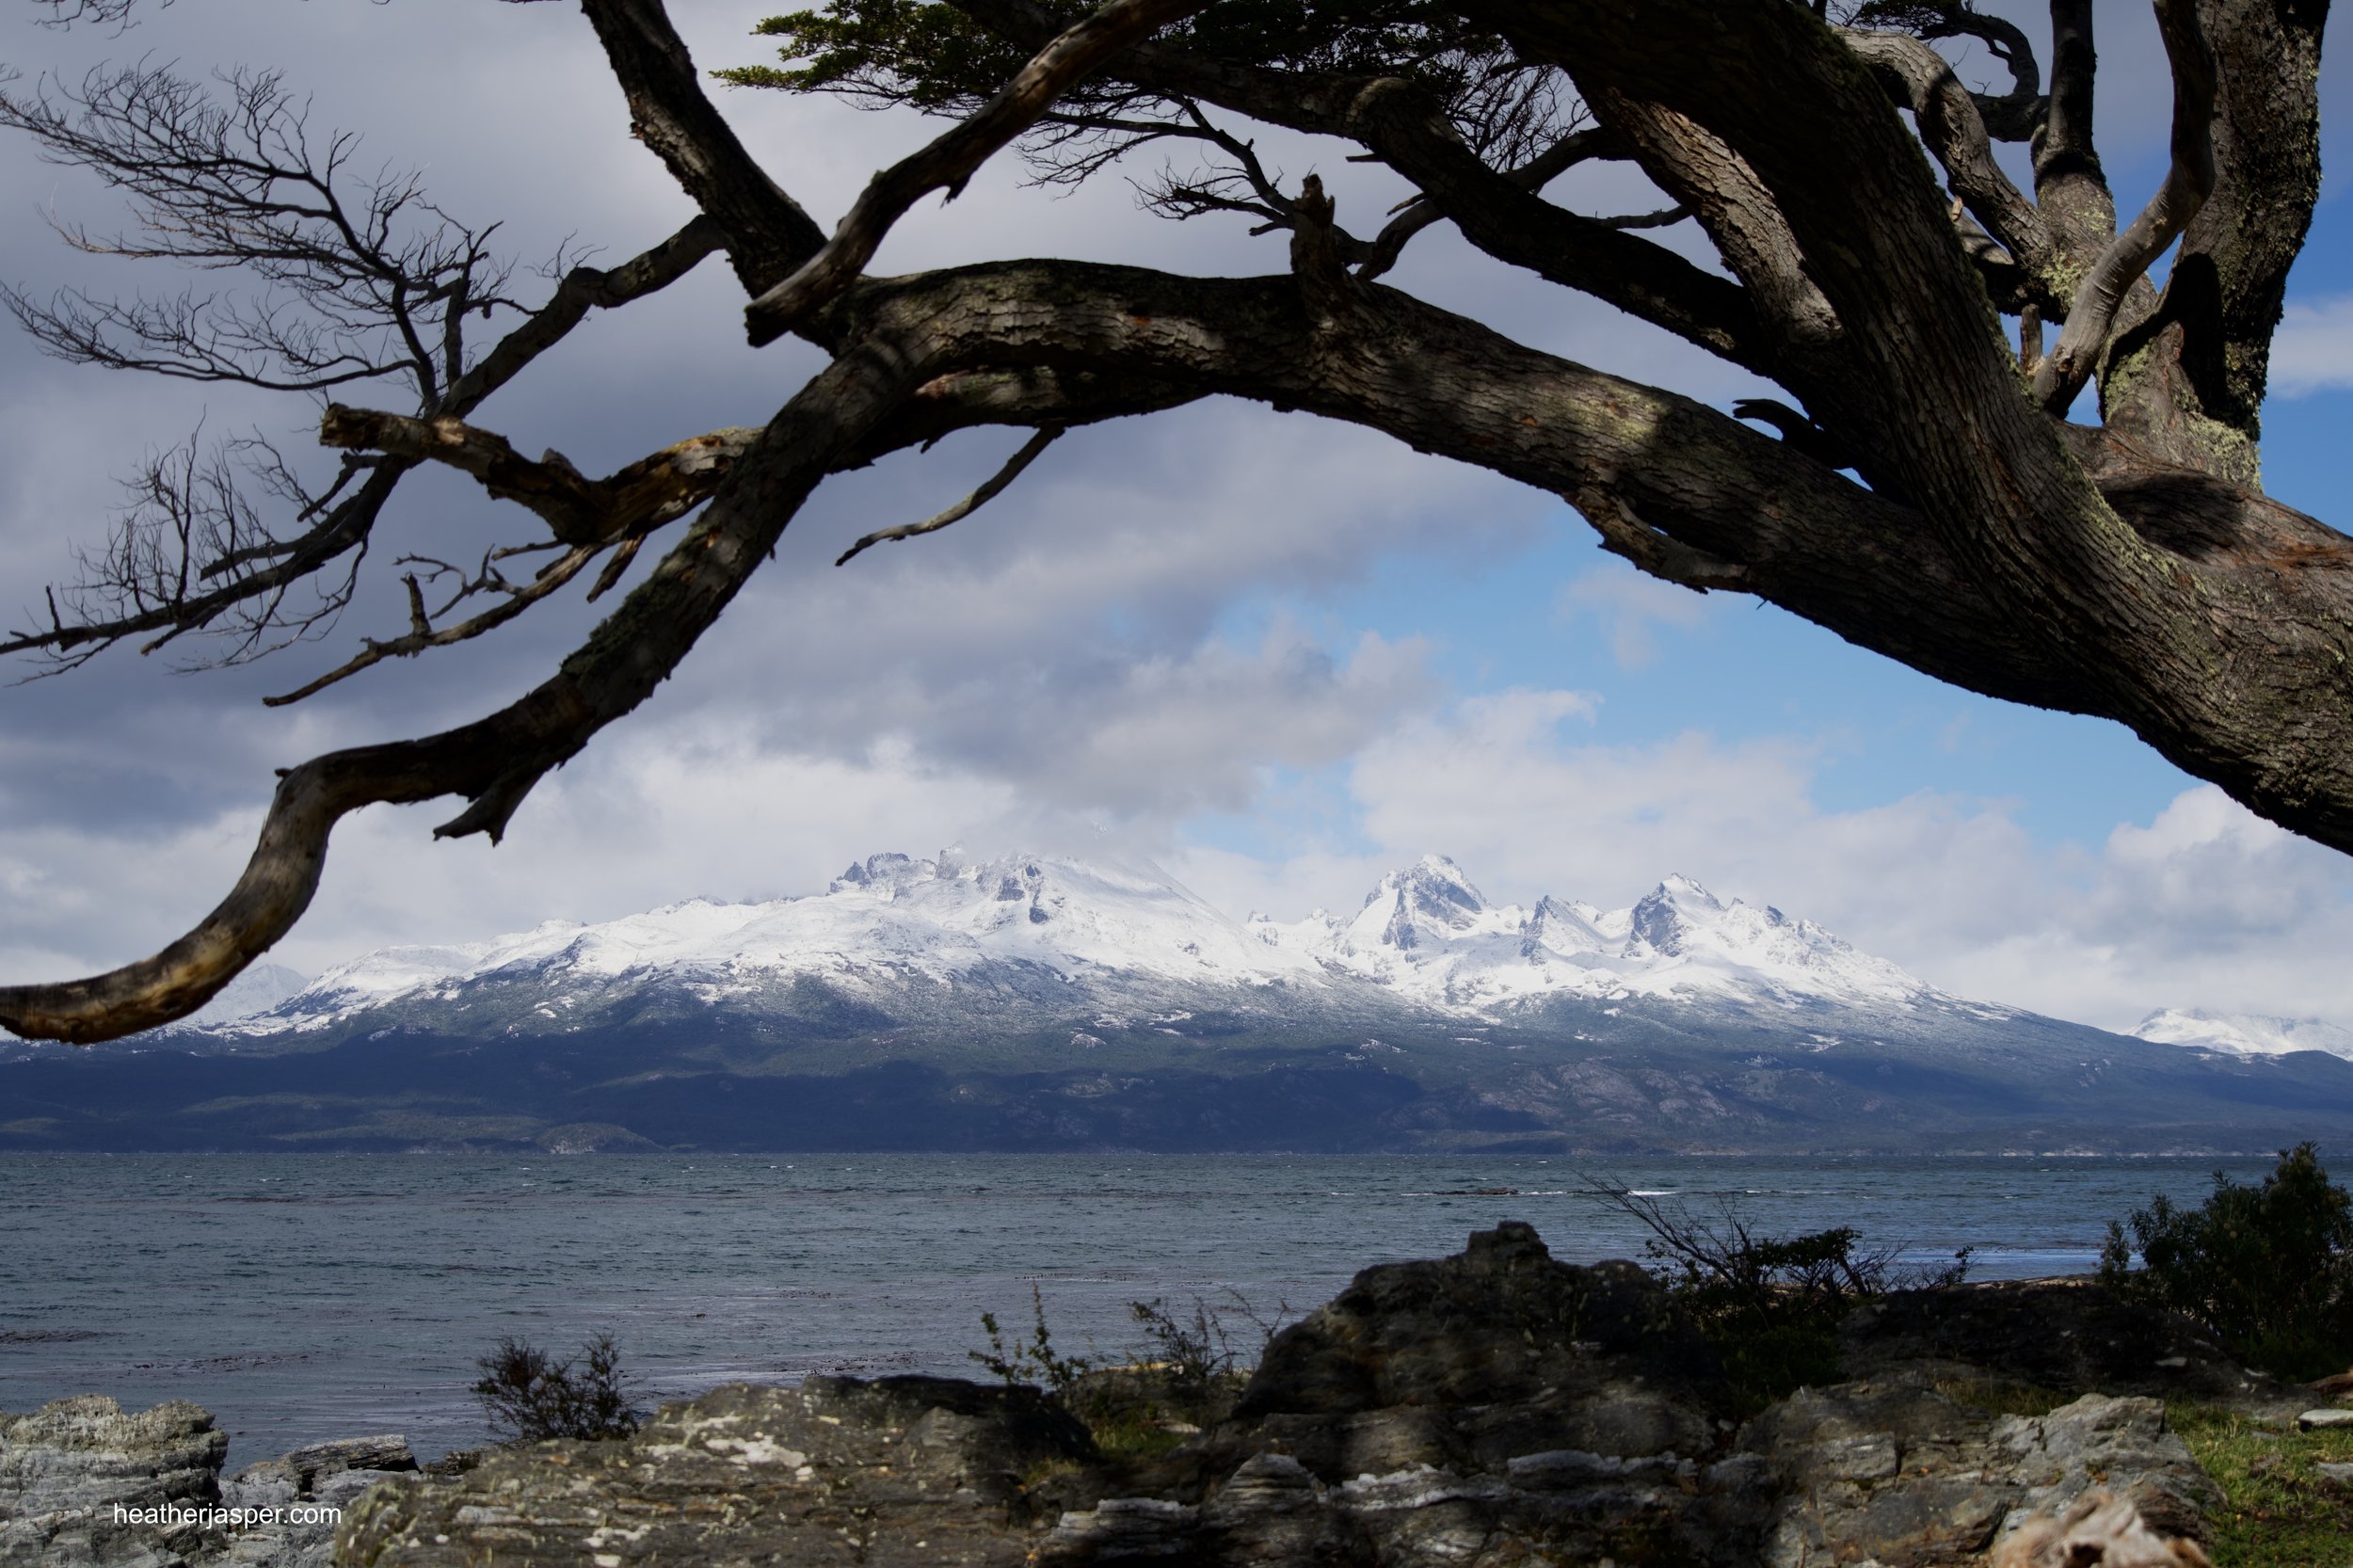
(903, 1470)
(1494, 1408)
(65, 1466)
(85, 1485)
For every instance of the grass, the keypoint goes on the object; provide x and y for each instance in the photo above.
(2280, 1512)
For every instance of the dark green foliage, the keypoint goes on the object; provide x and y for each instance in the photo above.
(529, 1396)
(880, 53)
(934, 56)
(1770, 1305)
(2267, 1269)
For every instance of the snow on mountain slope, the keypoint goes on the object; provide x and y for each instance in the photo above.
(1425, 937)
(2245, 1033)
(889, 921)
(1428, 934)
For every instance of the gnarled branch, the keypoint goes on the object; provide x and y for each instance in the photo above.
(1953, 129)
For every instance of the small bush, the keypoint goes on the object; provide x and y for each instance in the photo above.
(1192, 1357)
(1769, 1304)
(2268, 1269)
(529, 1396)
(1185, 1375)
(1037, 1361)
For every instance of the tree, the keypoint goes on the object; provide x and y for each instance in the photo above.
(1922, 493)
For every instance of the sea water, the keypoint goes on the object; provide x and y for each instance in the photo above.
(306, 1297)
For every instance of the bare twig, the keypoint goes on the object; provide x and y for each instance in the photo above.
(423, 635)
(989, 491)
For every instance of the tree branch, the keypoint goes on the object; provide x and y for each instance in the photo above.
(990, 490)
(768, 234)
(494, 761)
(347, 525)
(1952, 128)
(2187, 183)
(1496, 212)
(1075, 53)
(2069, 182)
(423, 636)
(578, 510)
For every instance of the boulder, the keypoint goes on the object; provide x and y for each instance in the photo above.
(309, 1489)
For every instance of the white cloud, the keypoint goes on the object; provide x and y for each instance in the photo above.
(2312, 350)
(1634, 609)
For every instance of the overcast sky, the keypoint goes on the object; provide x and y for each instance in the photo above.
(1279, 656)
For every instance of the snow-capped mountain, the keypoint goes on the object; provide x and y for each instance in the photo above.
(2245, 1033)
(1428, 934)
(1069, 935)
(1038, 1002)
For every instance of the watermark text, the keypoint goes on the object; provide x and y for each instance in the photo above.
(176, 1515)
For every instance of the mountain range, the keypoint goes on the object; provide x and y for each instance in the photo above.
(1043, 1002)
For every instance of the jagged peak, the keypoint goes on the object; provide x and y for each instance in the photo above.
(1678, 889)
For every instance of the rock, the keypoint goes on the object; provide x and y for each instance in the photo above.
(388, 1452)
(1501, 1322)
(1494, 1408)
(2340, 1475)
(1899, 1474)
(66, 1468)
(2121, 1442)
(2317, 1420)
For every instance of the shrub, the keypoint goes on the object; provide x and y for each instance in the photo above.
(529, 1396)
(2268, 1269)
(1035, 1362)
(1192, 1357)
(1185, 1375)
(1769, 1304)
